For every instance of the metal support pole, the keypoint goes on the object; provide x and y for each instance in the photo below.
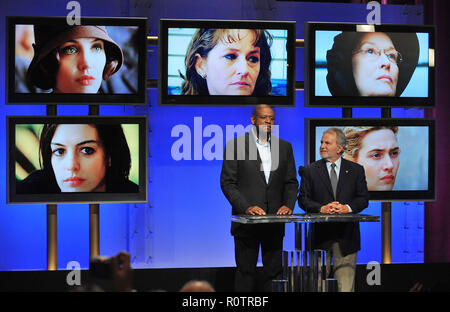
(52, 254)
(52, 233)
(347, 112)
(94, 110)
(94, 211)
(299, 43)
(94, 233)
(386, 252)
(307, 258)
(386, 256)
(298, 236)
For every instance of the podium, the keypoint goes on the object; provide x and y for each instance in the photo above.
(304, 269)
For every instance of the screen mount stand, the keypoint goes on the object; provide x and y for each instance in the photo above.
(386, 254)
(52, 235)
(94, 211)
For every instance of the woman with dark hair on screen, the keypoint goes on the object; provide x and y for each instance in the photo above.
(228, 62)
(81, 158)
(371, 63)
(72, 59)
(377, 150)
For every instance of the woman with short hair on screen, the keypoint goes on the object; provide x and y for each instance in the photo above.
(371, 63)
(81, 158)
(377, 150)
(228, 62)
(72, 59)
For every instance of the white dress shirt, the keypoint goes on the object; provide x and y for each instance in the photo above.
(337, 168)
(264, 154)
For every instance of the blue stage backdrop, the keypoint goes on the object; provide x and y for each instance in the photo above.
(186, 222)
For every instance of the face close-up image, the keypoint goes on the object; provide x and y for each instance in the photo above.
(232, 66)
(375, 68)
(78, 158)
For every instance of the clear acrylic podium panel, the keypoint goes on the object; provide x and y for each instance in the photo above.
(304, 218)
(304, 270)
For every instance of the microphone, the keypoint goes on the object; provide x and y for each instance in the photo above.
(301, 170)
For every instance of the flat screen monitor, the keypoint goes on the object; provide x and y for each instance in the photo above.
(101, 61)
(354, 65)
(224, 62)
(398, 155)
(82, 159)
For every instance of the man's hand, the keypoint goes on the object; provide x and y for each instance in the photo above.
(417, 287)
(340, 209)
(284, 210)
(255, 210)
(328, 208)
(334, 208)
(122, 273)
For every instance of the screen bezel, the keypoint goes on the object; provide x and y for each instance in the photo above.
(311, 100)
(382, 196)
(139, 98)
(65, 198)
(223, 100)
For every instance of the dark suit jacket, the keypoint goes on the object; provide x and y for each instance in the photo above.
(243, 183)
(315, 191)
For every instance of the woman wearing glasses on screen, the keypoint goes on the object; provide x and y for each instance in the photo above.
(72, 59)
(81, 158)
(377, 150)
(371, 63)
(228, 62)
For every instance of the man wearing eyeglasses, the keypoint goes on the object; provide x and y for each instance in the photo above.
(259, 178)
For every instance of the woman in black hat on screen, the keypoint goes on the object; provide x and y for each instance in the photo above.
(73, 59)
(371, 63)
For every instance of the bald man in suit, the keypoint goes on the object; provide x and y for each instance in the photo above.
(258, 178)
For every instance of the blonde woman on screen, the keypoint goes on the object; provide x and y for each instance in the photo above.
(377, 150)
(228, 62)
